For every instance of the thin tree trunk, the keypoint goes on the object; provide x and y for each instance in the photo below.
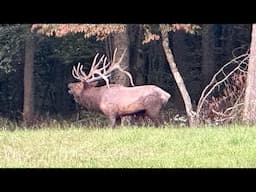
(60, 88)
(178, 78)
(28, 104)
(249, 115)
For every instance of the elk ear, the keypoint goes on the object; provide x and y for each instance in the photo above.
(86, 85)
(94, 84)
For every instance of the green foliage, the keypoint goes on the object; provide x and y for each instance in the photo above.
(74, 48)
(12, 46)
(11, 68)
(52, 53)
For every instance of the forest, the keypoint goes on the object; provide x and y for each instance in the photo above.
(212, 60)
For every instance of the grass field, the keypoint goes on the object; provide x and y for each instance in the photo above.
(71, 146)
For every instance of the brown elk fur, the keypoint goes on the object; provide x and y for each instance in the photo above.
(117, 101)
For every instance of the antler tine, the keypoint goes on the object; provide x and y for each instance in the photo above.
(76, 69)
(127, 73)
(94, 60)
(114, 55)
(105, 66)
(84, 76)
(100, 61)
(116, 65)
(105, 73)
(95, 66)
(75, 72)
(121, 58)
(99, 77)
(101, 72)
(97, 71)
(103, 77)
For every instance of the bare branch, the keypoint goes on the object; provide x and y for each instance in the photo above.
(214, 83)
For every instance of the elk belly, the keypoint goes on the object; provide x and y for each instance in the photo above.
(121, 109)
(134, 108)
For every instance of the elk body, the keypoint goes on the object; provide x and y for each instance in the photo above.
(114, 100)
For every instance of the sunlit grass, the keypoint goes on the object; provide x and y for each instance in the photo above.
(64, 146)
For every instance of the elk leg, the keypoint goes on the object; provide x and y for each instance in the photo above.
(140, 118)
(118, 120)
(114, 120)
(155, 120)
(153, 107)
(154, 116)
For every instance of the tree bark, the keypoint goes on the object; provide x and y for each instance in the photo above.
(121, 42)
(178, 78)
(249, 115)
(28, 104)
(178, 53)
(60, 87)
(135, 32)
(208, 59)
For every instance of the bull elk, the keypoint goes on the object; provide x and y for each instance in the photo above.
(115, 100)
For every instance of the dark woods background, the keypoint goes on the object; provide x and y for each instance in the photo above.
(198, 57)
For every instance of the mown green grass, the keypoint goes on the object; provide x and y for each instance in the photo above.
(128, 147)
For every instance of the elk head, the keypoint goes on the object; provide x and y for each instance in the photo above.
(100, 69)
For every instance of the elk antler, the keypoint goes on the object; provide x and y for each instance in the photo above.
(116, 65)
(104, 72)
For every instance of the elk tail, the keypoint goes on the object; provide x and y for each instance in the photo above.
(164, 96)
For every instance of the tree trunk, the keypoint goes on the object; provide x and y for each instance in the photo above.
(136, 37)
(249, 115)
(208, 59)
(121, 42)
(178, 78)
(228, 45)
(178, 53)
(28, 104)
(60, 87)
